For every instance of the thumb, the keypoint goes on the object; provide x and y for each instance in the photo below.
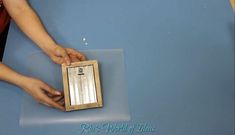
(50, 90)
(61, 52)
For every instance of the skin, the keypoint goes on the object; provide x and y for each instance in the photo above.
(28, 21)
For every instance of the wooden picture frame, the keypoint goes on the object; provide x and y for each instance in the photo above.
(82, 88)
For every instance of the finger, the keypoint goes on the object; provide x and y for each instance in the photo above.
(77, 54)
(61, 102)
(53, 96)
(50, 90)
(50, 95)
(61, 53)
(57, 98)
(81, 56)
(52, 103)
(66, 57)
(46, 104)
(67, 60)
(58, 60)
(74, 59)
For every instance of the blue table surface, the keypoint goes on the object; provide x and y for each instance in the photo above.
(179, 60)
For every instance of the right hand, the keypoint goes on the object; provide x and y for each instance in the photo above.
(62, 55)
(43, 93)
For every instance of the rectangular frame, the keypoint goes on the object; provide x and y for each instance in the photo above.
(67, 98)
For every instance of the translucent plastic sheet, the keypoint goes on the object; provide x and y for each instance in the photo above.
(111, 64)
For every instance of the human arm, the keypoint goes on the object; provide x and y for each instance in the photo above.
(28, 21)
(39, 90)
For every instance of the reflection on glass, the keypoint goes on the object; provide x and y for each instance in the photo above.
(82, 88)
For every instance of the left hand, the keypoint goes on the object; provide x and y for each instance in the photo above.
(42, 92)
(65, 55)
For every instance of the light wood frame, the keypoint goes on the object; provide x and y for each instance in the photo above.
(68, 105)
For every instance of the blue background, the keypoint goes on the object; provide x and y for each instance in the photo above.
(179, 60)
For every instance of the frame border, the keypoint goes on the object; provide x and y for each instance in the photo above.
(99, 103)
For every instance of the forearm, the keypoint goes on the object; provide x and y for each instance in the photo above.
(8, 75)
(30, 24)
(36, 88)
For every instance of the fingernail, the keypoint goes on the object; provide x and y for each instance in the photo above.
(68, 62)
(57, 93)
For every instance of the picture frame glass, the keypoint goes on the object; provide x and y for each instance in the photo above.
(82, 87)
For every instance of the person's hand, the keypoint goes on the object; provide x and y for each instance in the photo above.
(65, 55)
(43, 93)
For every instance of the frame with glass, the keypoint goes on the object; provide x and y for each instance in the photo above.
(82, 88)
